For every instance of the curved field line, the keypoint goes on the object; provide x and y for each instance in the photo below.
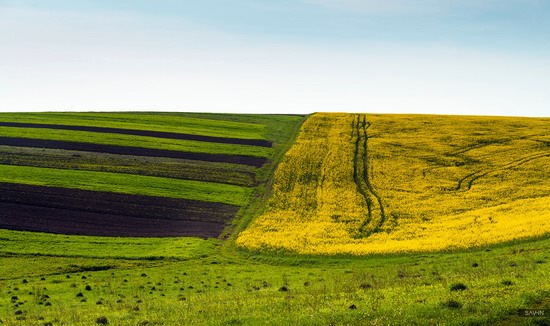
(476, 146)
(366, 168)
(506, 167)
(545, 142)
(470, 178)
(356, 179)
(362, 180)
(489, 143)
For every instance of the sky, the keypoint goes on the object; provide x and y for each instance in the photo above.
(476, 57)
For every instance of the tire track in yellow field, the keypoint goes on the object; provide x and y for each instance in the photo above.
(375, 206)
(360, 188)
(468, 180)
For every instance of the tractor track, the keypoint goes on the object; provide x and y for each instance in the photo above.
(366, 168)
(489, 142)
(362, 180)
(468, 180)
(356, 133)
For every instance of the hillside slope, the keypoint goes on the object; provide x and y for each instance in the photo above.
(132, 174)
(361, 184)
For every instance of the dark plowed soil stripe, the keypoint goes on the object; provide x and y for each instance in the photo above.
(60, 210)
(63, 221)
(126, 150)
(149, 133)
(114, 203)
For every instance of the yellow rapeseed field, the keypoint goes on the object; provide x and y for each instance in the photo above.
(362, 184)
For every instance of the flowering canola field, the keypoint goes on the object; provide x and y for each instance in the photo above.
(363, 184)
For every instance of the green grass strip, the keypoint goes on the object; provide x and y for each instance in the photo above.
(136, 141)
(145, 121)
(36, 243)
(126, 184)
(237, 174)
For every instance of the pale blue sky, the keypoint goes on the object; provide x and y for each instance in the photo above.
(425, 56)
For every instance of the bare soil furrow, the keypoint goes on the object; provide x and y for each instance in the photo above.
(59, 210)
(62, 221)
(126, 150)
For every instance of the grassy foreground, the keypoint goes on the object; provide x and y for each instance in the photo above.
(462, 288)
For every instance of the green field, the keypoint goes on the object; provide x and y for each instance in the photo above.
(237, 174)
(125, 184)
(196, 125)
(79, 280)
(135, 141)
(46, 244)
(216, 287)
